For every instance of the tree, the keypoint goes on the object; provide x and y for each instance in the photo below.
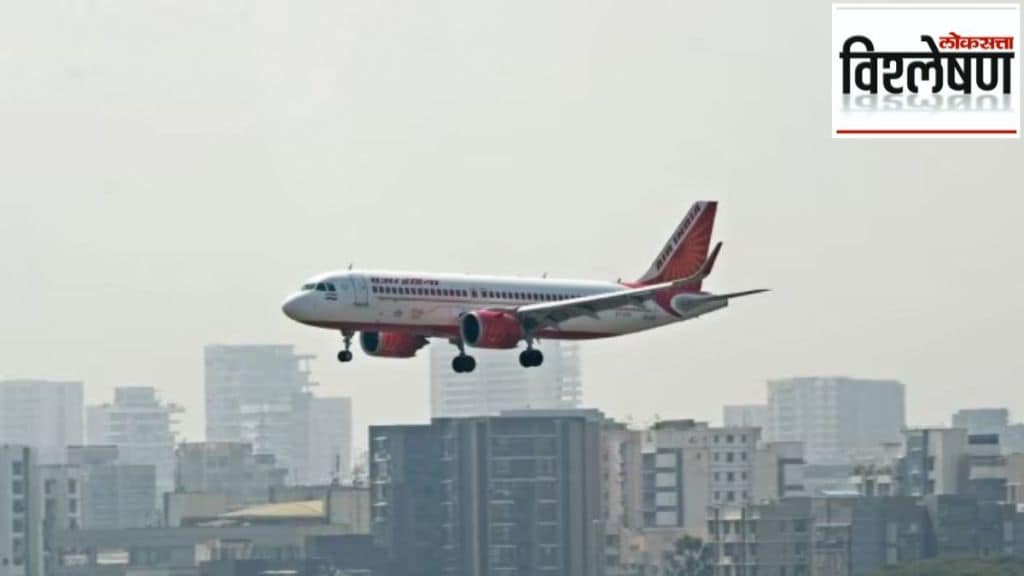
(689, 557)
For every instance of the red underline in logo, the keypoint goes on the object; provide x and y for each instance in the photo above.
(924, 131)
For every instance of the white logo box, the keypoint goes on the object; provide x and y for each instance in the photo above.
(949, 113)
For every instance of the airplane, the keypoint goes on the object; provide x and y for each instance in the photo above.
(396, 313)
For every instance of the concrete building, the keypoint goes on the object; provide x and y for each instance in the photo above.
(499, 383)
(839, 420)
(982, 420)
(746, 415)
(688, 466)
(934, 463)
(143, 429)
(514, 494)
(988, 421)
(114, 495)
(1015, 479)
(228, 468)
(290, 533)
(259, 395)
(44, 414)
(62, 493)
(329, 442)
(778, 471)
(839, 536)
(621, 458)
(21, 522)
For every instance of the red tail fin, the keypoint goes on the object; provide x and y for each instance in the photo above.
(687, 248)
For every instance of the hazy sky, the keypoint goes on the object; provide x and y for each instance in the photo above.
(170, 171)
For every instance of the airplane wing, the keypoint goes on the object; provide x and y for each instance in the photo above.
(533, 316)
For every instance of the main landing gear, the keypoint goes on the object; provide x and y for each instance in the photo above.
(346, 354)
(463, 362)
(531, 357)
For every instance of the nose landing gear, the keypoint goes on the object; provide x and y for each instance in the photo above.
(346, 354)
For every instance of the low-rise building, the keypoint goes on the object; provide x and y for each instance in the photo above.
(115, 495)
(228, 468)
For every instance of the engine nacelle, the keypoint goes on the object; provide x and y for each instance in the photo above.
(490, 329)
(391, 344)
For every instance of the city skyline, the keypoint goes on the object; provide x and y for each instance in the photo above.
(159, 196)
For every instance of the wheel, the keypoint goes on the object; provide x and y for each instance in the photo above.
(531, 357)
(463, 363)
(344, 356)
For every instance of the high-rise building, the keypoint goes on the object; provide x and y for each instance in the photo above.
(228, 468)
(329, 443)
(499, 383)
(259, 395)
(21, 525)
(749, 415)
(518, 493)
(114, 495)
(43, 414)
(142, 428)
(837, 419)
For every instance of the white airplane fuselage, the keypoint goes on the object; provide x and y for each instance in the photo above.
(431, 304)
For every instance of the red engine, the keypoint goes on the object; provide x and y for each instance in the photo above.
(391, 344)
(490, 329)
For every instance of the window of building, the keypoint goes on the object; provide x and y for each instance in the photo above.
(729, 456)
(17, 468)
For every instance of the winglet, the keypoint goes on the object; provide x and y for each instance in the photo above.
(702, 272)
(709, 264)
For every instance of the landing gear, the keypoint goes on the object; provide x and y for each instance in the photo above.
(530, 358)
(346, 355)
(463, 363)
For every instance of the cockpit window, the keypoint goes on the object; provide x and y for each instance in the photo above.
(320, 287)
(330, 287)
(309, 286)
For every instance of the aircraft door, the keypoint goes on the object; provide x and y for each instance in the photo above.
(362, 290)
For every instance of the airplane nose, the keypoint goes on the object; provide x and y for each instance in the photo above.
(291, 307)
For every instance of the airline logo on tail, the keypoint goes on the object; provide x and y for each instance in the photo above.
(687, 248)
